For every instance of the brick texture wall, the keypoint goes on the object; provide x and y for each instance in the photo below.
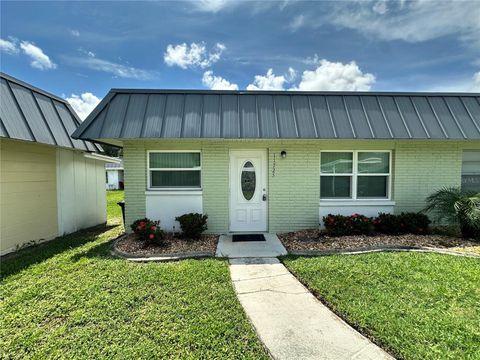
(419, 167)
(134, 160)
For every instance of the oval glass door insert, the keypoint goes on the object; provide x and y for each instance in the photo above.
(248, 181)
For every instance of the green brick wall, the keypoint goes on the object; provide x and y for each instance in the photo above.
(134, 162)
(215, 168)
(419, 167)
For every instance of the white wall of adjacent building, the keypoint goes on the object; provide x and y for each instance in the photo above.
(81, 195)
(114, 178)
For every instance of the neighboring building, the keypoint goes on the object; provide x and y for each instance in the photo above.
(114, 175)
(279, 161)
(50, 183)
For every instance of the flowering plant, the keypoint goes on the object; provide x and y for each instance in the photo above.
(404, 223)
(147, 230)
(339, 225)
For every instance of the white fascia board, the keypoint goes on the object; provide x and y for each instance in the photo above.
(102, 158)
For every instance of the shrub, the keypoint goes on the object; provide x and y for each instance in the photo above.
(339, 225)
(147, 230)
(387, 224)
(404, 223)
(414, 223)
(459, 207)
(192, 225)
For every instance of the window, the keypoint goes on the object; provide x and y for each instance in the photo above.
(174, 169)
(336, 169)
(355, 175)
(248, 181)
(471, 171)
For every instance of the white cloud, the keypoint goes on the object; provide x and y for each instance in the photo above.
(291, 75)
(476, 82)
(193, 55)
(297, 22)
(270, 82)
(217, 82)
(213, 6)
(75, 33)
(255, 7)
(9, 47)
(470, 84)
(411, 21)
(128, 72)
(336, 76)
(40, 60)
(380, 7)
(83, 104)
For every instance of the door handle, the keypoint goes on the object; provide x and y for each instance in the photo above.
(264, 197)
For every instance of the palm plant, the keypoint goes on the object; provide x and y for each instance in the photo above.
(457, 206)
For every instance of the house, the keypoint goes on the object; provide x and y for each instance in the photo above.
(278, 161)
(114, 175)
(50, 184)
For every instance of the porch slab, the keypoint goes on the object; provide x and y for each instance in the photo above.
(289, 320)
(271, 247)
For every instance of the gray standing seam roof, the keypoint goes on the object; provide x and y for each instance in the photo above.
(193, 114)
(28, 113)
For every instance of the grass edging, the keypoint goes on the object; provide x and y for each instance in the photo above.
(156, 257)
(385, 248)
(342, 316)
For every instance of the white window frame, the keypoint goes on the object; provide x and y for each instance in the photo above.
(354, 175)
(174, 188)
(477, 151)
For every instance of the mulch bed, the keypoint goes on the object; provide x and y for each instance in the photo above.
(171, 244)
(314, 240)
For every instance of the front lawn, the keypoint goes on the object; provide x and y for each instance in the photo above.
(71, 299)
(114, 212)
(417, 305)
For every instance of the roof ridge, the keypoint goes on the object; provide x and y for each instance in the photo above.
(287, 92)
(46, 122)
(32, 87)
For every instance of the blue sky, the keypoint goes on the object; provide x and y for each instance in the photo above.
(79, 50)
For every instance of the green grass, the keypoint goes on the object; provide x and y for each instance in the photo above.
(114, 212)
(71, 299)
(417, 305)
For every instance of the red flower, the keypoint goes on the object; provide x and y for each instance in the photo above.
(153, 228)
(151, 236)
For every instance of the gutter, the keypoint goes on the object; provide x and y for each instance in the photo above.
(105, 158)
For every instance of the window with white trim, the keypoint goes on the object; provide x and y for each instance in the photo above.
(355, 175)
(471, 170)
(174, 170)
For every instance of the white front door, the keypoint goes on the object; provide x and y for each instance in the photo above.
(248, 190)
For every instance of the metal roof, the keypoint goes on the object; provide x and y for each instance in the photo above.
(136, 113)
(29, 113)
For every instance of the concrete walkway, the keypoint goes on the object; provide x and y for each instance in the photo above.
(271, 247)
(289, 320)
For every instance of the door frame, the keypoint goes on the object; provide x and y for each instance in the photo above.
(267, 205)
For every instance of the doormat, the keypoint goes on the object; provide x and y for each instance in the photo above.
(248, 237)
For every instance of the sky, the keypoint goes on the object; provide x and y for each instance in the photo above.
(79, 50)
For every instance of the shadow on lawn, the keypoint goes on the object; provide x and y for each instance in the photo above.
(99, 251)
(24, 258)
